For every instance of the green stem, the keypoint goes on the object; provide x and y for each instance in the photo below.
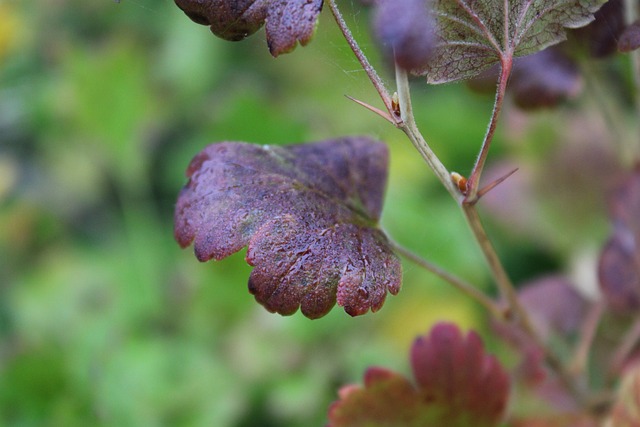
(364, 62)
(460, 284)
(410, 128)
(474, 180)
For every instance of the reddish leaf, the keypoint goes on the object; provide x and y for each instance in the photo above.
(619, 266)
(630, 38)
(562, 420)
(406, 28)
(287, 21)
(473, 35)
(458, 385)
(308, 214)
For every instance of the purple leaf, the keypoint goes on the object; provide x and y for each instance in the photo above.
(288, 22)
(619, 266)
(457, 384)
(406, 29)
(600, 37)
(308, 214)
(473, 35)
(630, 38)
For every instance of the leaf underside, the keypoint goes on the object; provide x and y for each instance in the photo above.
(475, 34)
(457, 385)
(308, 214)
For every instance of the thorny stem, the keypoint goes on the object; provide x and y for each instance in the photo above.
(410, 128)
(364, 62)
(474, 180)
(460, 284)
(406, 122)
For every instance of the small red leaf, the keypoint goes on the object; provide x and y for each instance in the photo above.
(308, 214)
(458, 385)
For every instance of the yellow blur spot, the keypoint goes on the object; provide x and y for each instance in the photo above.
(9, 30)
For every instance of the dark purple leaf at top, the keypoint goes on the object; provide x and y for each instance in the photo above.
(457, 385)
(308, 214)
(600, 37)
(406, 30)
(619, 266)
(542, 80)
(630, 38)
(473, 35)
(288, 22)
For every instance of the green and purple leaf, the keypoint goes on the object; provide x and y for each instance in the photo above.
(288, 22)
(457, 384)
(308, 214)
(472, 35)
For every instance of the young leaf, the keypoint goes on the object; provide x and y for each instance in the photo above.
(308, 214)
(619, 266)
(457, 385)
(287, 21)
(473, 35)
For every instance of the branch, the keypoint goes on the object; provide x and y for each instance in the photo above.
(474, 180)
(364, 62)
(458, 283)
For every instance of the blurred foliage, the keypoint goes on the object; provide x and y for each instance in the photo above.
(103, 319)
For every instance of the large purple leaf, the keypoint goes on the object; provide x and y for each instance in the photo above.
(473, 35)
(457, 385)
(308, 214)
(288, 22)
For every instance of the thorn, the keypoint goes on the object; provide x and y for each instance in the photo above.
(460, 181)
(493, 184)
(371, 108)
(395, 104)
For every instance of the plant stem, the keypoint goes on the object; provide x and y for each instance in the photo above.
(364, 62)
(460, 284)
(632, 14)
(629, 342)
(474, 180)
(410, 128)
(587, 334)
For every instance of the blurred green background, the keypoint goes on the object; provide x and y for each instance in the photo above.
(104, 320)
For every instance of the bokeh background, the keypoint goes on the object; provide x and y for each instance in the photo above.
(104, 320)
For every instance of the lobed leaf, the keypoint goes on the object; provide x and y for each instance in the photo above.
(308, 214)
(473, 35)
(457, 384)
(288, 22)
